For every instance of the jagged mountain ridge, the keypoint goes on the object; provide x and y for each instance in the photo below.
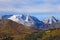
(32, 21)
(26, 20)
(51, 20)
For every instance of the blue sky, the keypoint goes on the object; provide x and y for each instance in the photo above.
(37, 8)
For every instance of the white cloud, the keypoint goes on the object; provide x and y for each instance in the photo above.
(58, 8)
(10, 10)
(26, 7)
(38, 9)
(51, 0)
(43, 8)
(5, 1)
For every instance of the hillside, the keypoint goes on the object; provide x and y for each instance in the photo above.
(12, 30)
(10, 27)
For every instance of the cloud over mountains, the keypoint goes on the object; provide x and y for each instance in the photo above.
(29, 5)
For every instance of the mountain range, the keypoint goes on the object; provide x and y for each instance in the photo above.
(31, 21)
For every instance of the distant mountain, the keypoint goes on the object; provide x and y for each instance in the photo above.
(51, 20)
(31, 21)
(37, 22)
(50, 23)
(50, 26)
(6, 16)
(46, 21)
(26, 20)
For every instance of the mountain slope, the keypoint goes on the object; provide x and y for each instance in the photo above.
(26, 20)
(51, 20)
(22, 19)
(31, 21)
(10, 27)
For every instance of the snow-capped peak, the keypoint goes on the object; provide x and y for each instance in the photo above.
(26, 20)
(27, 17)
(14, 18)
(52, 20)
(23, 19)
(46, 21)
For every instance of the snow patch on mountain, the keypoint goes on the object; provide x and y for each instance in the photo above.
(51, 20)
(23, 19)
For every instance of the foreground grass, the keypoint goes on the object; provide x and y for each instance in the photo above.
(50, 34)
